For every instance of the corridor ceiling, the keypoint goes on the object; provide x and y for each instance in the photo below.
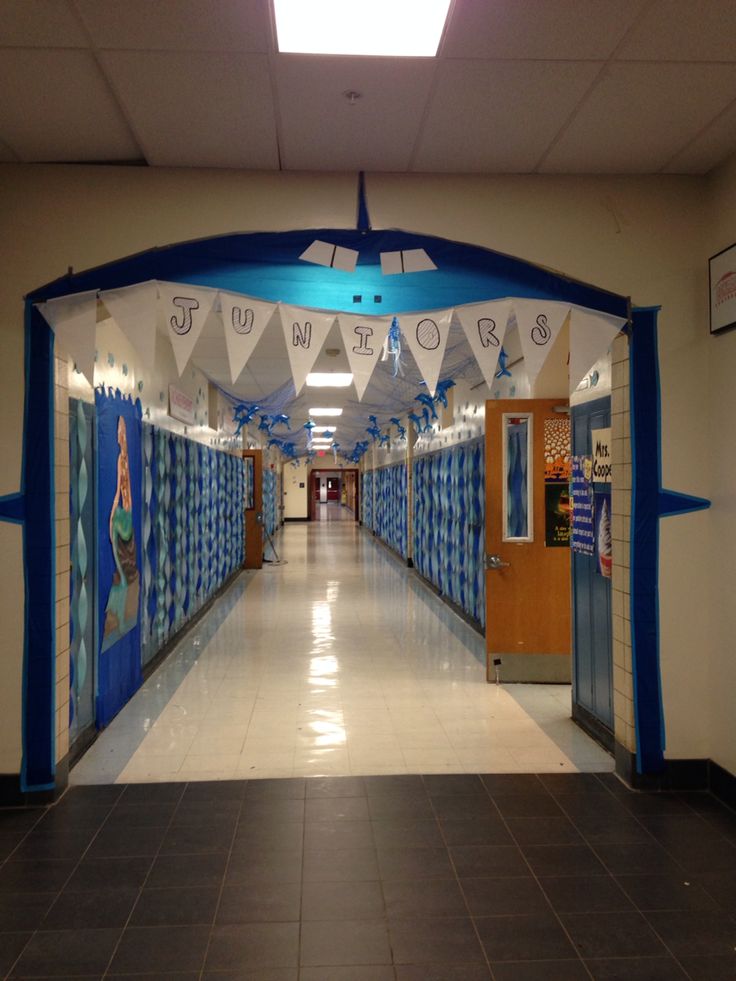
(519, 86)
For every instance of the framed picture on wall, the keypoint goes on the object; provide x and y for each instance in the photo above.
(722, 276)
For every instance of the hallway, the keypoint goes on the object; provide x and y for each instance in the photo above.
(340, 662)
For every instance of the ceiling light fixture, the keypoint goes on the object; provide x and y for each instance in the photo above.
(325, 412)
(329, 379)
(403, 28)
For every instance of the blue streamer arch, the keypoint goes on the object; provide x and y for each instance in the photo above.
(263, 264)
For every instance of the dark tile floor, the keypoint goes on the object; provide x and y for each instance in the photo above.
(435, 878)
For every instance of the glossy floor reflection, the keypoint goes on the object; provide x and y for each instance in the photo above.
(339, 662)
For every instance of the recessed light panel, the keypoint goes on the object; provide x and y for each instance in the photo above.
(325, 412)
(403, 28)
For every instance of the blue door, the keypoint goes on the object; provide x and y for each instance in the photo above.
(592, 685)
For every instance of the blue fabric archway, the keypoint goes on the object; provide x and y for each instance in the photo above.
(261, 264)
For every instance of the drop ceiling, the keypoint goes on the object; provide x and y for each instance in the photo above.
(519, 86)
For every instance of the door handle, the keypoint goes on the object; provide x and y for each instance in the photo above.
(494, 562)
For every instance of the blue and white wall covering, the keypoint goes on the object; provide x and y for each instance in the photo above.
(366, 499)
(391, 503)
(270, 501)
(119, 537)
(193, 532)
(449, 524)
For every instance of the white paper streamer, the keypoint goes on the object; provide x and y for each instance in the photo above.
(363, 338)
(243, 321)
(485, 327)
(133, 308)
(305, 331)
(184, 310)
(73, 320)
(539, 323)
(426, 334)
(591, 335)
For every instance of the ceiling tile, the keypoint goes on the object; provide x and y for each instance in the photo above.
(498, 116)
(639, 115)
(684, 30)
(40, 24)
(197, 110)
(61, 108)
(548, 29)
(178, 25)
(712, 147)
(321, 130)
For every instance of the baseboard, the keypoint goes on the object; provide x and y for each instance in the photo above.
(11, 794)
(593, 727)
(683, 775)
(296, 519)
(536, 668)
(722, 784)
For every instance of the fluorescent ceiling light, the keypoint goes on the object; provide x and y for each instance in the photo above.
(325, 412)
(353, 27)
(322, 442)
(324, 429)
(329, 379)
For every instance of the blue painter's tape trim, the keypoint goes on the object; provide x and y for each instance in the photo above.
(12, 508)
(39, 540)
(364, 221)
(672, 502)
(644, 561)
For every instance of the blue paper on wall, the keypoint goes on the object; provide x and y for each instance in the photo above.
(119, 551)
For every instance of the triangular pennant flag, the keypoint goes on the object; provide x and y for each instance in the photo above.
(363, 338)
(73, 320)
(539, 323)
(305, 331)
(184, 309)
(133, 308)
(426, 334)
(243, 320)
(591, 335)
(485, 326)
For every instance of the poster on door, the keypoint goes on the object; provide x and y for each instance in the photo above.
(557, 482)
(603, 544)
(557, 511)
(582, 539)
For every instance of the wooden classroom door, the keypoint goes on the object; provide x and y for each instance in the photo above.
(527, 559)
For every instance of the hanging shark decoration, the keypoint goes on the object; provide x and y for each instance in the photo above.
(358, 280)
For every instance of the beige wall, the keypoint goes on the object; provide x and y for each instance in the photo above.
(648, 237)
(720, 426)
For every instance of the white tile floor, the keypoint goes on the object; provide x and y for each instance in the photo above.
(338, 662)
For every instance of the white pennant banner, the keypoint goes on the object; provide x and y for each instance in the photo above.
(73, 320)
(591, 335)
(133, 308)
(244, 320)
(184, 309)
(363, 338)
(485, 327)
(305, 331)
(426, 334)
(539, 323)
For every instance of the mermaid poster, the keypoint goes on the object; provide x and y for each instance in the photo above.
(119, 558)
(121, 613)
